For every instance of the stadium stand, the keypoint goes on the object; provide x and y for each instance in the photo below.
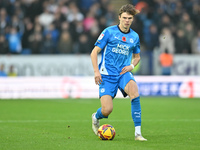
(42, 26)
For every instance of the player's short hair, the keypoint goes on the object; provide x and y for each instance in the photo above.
(128, 8)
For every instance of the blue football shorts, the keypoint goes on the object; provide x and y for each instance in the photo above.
(110, 84)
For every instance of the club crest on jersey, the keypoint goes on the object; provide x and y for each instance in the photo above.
(124, 39)
(102, 90)
(101, 36)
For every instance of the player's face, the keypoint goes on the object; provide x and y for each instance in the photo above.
(125, 21)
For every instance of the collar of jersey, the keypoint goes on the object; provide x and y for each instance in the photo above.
(122, 31)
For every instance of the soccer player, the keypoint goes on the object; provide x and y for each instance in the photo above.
(117, 44)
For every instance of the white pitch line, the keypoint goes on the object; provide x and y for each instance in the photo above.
(67, 121)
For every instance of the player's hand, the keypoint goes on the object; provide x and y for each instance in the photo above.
(126, 69)
(97, 78)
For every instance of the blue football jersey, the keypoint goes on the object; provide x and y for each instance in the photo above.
(117, 49)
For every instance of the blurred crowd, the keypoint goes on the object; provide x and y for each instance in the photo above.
(172, 25)
(72, 26)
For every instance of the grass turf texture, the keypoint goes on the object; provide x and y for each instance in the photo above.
(168, 123)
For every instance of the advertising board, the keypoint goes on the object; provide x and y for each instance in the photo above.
(84, 87)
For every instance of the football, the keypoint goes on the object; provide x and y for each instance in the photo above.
(106, 132)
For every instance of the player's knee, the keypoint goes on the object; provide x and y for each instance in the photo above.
(133, 95)
(106, 111)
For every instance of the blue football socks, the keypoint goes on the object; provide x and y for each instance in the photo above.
(136, 111)
(99, 115)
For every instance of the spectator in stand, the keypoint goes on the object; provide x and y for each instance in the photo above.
(19, 10)
(4, 20)
(86, 5)
(76, 30)
(94, 33)
(38, 29)
(74, 13)
(95, 9)
(14, 40)
(11, 72)
(48, 45)
(59, 18)
(35, 41)
(110, 15)
(181, 43)
(52, 6)
(153, 38)
(25, 37)
(195, 13)
(3, 45)
(165, 22)
(89, 21)
(83, 45)
(196, 43)
(37, 23)
(46, 18)
(138, 26)
(158, 12)
(54, 33)
(143, 17)
(103, 6)
(63, 8)
(185, 19)
(17, 23)
(34, 8)
(102, 23)
(2, 71)
(166, 62)
(65, 26)
(166, 40)
(65, 43)
(190, 32)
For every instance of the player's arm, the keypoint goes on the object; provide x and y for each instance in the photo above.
(94, 54)
(135, 61)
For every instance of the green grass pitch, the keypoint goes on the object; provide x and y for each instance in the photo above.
(169, 123)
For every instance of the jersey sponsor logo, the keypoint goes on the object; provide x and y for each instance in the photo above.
(101, 36)
(121, 49)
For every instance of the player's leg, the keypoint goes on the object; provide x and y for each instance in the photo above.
(106, 107)
(103, 112)
(107, 91)
(129, 86)
(95, 123)
(132, 90)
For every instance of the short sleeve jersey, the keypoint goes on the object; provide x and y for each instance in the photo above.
(117, 49)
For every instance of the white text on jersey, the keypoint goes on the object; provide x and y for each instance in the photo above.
(121, 49)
